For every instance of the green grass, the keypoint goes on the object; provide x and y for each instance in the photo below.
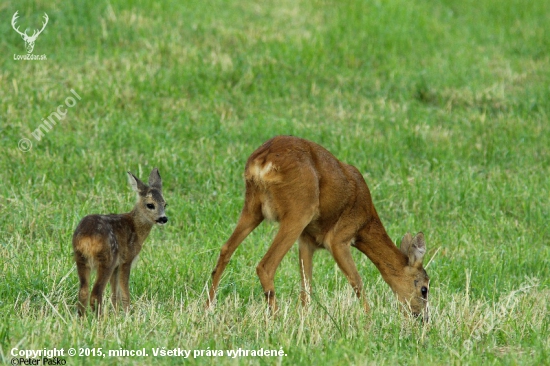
(442, 105)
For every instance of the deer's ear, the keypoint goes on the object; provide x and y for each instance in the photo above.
(406, 243)
(417, 250)
(136, 184)
(154, 179)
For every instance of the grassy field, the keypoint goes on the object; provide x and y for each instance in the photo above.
(442, 105)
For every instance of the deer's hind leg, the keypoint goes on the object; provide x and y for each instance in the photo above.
(289, 231)
(251, 217)
(96, 299)
(84, 277)
(104, 273)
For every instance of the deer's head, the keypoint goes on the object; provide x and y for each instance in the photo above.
(413, 287)
(29, 40)
(151, 203)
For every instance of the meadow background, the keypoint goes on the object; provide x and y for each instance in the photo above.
(443, 105)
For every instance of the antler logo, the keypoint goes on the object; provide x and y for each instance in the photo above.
(29, 40)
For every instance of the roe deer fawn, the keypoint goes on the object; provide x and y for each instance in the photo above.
(323, 203)
(111, 244)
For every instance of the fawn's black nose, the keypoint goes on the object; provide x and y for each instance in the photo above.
(162, 220)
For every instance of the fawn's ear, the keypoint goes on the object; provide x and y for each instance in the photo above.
(414, 248)
(136, 184)
(154, 179)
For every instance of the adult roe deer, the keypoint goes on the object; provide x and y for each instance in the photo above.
(323, 203)
(111, 243)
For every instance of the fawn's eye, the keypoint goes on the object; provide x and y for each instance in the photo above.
(150, 206)
(165, 205)
(424, 292)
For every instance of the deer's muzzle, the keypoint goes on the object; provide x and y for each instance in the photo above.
(162, 220)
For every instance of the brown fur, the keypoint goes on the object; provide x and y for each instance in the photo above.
(111, 243)
(325, 204)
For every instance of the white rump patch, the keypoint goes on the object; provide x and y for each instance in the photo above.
(259, 172)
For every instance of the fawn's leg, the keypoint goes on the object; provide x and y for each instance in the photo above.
(84, 277)
(124, 282)
(96, 299)
(115, 289)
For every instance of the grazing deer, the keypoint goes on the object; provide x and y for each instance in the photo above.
(111, 244)
(29, 40)
(325, 204)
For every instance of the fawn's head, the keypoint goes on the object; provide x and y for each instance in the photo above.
(412, 288)
(150, 204)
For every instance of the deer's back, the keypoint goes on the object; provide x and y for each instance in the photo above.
(105, 236)
(292, 169)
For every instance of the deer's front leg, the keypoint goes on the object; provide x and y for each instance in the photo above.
(306, 250)
(115, 289)
(124, 283)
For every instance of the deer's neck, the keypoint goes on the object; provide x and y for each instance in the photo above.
(142, 225)
(385, 255)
